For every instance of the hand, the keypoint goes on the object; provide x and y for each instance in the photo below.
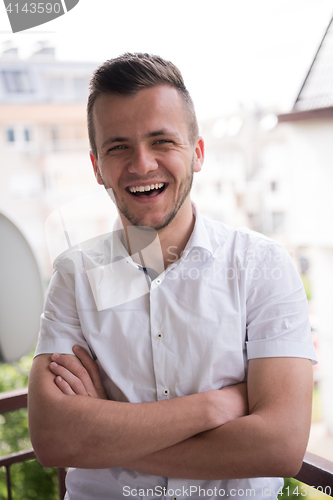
(228, 403)
(77, 375)
(235, 401)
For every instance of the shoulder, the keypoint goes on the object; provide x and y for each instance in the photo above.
(87, 255)
(242, 243)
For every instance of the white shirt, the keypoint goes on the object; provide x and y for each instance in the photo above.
(232, 296)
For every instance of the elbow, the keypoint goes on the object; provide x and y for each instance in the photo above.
(290, 459)
(48, 435)
(290, 468)
(49, 443)
(293, 465)
(48, 452)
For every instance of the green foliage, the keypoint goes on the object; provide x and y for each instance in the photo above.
(292, 490)
(307, 285)
(30, 481)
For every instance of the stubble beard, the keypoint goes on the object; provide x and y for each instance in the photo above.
(184, 190)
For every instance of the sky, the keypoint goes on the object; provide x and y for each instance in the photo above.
(231, 52)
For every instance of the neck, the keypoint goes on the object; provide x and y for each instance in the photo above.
(173, 240)
(159, 249)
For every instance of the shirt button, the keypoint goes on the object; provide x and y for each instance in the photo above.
(158, 281)
(159, 335)
(166, 392)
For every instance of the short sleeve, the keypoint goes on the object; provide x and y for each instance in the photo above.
(277, 308)
(60, 327)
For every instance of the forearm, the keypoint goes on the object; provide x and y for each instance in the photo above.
(90, 433)
(238, 449)
(86, 432)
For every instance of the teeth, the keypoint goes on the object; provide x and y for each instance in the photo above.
(141, 189)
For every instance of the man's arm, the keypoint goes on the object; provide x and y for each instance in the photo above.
(270, 441)
(88, 432)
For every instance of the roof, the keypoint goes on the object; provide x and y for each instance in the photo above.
(43, 79)
(315, 98)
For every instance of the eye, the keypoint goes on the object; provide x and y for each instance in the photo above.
(115, 148)
(163, 141)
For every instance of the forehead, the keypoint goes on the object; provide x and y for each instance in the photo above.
(156, 108)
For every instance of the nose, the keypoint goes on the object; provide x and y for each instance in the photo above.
(142, 161)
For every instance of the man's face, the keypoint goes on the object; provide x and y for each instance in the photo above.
(144, 154)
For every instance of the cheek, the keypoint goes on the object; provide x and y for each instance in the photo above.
(111, 172)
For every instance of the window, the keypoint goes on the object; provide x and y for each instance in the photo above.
(19, 136)
(27, 135)
(10, 135)
(16, 81)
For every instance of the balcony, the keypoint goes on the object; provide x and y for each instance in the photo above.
(11, 401)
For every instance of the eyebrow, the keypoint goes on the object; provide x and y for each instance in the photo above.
(154, 133)
(110, 140)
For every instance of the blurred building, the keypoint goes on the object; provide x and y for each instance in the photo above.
(274, 173)
(43, 138)
(243, 180)
(309, 158)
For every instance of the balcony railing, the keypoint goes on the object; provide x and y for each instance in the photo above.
(14, 400)
(316, 471)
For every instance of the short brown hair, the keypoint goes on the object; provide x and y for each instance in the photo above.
(129, 73)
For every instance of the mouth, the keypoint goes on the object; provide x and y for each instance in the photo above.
(149, 191)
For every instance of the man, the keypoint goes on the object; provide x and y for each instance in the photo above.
(203, 378)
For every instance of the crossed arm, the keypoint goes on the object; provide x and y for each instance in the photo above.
(210, 435)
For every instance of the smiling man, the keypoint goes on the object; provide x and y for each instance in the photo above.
(200, 385)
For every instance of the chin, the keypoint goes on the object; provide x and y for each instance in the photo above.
(156, 223)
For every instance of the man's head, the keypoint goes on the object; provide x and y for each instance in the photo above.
(144, 140)
(129, 73)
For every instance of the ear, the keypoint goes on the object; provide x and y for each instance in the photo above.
(94, 162)
(199, 153)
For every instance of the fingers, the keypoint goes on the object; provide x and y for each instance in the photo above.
(79, 374)
(64, 386)
(71, 373)
(92, 369)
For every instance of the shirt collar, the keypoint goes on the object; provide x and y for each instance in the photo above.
(118, 249)
(199, 237)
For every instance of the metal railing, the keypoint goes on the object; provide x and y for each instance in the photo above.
(316, 471)
(10, 401)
